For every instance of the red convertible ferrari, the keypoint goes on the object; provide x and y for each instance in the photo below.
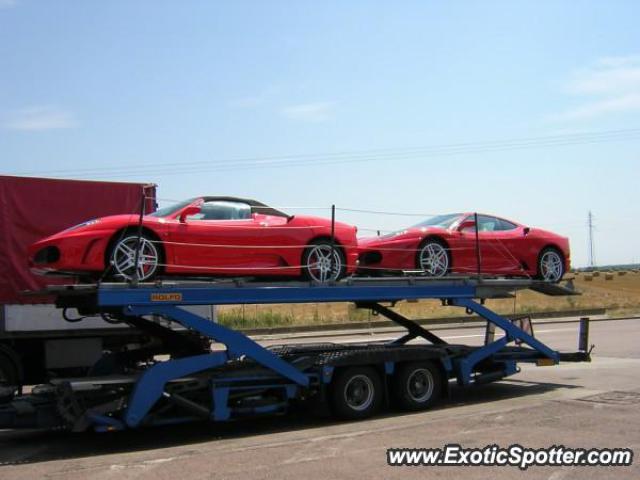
(219, 236)
(446, 244)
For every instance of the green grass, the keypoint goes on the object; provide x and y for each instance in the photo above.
(242, 318)
(620, 294)
(252, 316)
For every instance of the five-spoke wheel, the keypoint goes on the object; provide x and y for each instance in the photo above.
(550, 265)
(123, 258)
(433, 258)
(323, 262)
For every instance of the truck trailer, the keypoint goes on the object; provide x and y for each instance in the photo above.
(238, 378)
(35, 340)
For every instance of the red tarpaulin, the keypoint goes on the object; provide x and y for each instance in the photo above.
(34, 208)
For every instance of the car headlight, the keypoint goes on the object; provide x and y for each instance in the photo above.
(83, 224)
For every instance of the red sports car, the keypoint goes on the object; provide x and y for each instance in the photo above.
(219, 236)
(446, 244)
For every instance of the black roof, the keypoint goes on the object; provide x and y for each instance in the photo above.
(256, 207)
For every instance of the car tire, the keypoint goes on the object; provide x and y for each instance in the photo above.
(417, 386)
(550, 265)
(356, 393)
(323, 262)
(121, 257)
(434, 258)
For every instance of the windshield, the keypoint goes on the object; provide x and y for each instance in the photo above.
(170, 210)
(444, 221)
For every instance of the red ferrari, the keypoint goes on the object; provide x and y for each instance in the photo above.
(446, 244)
(219, 236)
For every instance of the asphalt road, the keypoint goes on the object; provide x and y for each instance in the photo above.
(575, 405)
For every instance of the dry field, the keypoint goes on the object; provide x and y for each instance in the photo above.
(620, 294)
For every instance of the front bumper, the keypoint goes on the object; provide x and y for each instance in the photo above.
(84, 252)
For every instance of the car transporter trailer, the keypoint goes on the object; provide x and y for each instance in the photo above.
(246, 379)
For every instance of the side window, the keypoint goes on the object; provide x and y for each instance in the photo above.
(470, 218)
(503, 225)
(220, 210)
(487, 224)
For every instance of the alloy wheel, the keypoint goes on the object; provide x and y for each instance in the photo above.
(124, 254)
(551, 268)
(324, 263)
(434, 259)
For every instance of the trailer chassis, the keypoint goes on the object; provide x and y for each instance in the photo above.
(245, 378)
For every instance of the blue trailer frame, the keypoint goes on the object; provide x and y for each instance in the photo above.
(289, 378)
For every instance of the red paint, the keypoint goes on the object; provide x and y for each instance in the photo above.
(32, 208)
(510, 252)
(262, 245)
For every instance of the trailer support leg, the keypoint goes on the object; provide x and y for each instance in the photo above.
(150, 387)
(414, 329)
(237, 343)
(512, 332)
(467, 363)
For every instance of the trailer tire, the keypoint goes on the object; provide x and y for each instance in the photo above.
(417, 386)
(356, 393)
(9, 371)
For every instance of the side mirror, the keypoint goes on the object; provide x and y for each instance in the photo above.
(466, 225)
(526, 230)
(190, 210)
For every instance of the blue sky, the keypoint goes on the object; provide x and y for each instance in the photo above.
(177, 93)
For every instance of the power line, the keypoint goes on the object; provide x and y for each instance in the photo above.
(173, 168)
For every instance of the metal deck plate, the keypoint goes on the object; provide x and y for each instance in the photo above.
(220, 292)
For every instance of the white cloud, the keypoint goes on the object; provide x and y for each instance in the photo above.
(611, 85)
(625, 103)
(36, 118)
(7, 3)
(310, 112)
(608, 77)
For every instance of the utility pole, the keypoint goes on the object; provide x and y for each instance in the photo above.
(592, 260)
